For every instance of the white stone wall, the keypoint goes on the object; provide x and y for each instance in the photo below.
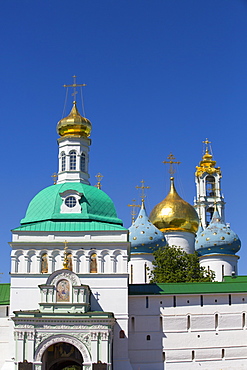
(207, 332)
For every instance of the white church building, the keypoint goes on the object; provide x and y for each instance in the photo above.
(80, 297)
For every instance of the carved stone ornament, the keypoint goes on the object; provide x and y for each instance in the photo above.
(69, 275)
(24, 326)
(66, 339)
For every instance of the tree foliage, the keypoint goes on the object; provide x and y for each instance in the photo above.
(173, 265)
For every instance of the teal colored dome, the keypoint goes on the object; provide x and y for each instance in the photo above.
(217, 238)
(95, 205)
(144, 236)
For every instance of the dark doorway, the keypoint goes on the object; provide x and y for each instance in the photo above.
(62, 356)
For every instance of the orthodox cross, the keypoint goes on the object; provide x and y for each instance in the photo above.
(54, 176)
(171, 162)
(97, 294)
(65, 254)
(206, 142)
(142, 187)
(133, 211)
(74, 85)
(99, 177)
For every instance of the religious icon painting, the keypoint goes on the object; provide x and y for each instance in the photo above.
(63, 290)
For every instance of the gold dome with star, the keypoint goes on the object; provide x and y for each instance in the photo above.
(174, 213)
(74, 124)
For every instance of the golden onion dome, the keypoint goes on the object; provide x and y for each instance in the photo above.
(74, 124)
(174, 214)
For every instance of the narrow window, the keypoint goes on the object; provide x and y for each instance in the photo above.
(72, 160)
(131, 274)
(147, 302)
(210, 186)
(164, 356)
(145, 273)
(230, 299)
(161, 323)
(44, 264)
(63, 161)
(209, 214)
(222, 272)
(93, 263)
(201, 299)
(193, 355)
(121, 334)
(7, 311)
(148, 337)
(216, 321)
(83, 162)
(223, 354)
(174, 301)
(243, 320)
(188, 322)
(133, 323)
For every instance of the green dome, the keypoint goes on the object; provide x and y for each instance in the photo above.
(95, 205)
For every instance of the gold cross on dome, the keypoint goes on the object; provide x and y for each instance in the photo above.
(54, 176)
(171, 162)
(206, 142)
(74, 85)
(142, 187)
(99, 177)
(133, 211)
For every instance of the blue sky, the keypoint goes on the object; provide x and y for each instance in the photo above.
(161, 75)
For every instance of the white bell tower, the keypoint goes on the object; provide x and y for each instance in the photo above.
(208, 188)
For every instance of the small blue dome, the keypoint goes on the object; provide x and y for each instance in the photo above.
(217, 238)
(144, 236)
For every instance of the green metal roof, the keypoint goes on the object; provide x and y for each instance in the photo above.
(4, 293)
(70, 226)
(230, 285)
(96, 205)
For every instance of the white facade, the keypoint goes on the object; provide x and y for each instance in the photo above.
(139, 267)
(73, 159)
(221, 264)
(183, 239)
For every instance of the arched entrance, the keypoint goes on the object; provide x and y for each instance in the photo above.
(62, 356)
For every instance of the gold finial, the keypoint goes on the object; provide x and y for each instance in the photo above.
(65, 258)
(133, 211)
(206, 142)
(54, 176)
(74, 85)
(171, 162)
(142, 187)
(99, 177)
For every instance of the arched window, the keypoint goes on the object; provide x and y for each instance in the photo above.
(210, 186)
(63, 161)
(93, 263)
(63, 290)
(83, 162)
(209, 214)
(44, 264)
(72, 160)
(148, 337)
(121, 334)
(70, 263)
